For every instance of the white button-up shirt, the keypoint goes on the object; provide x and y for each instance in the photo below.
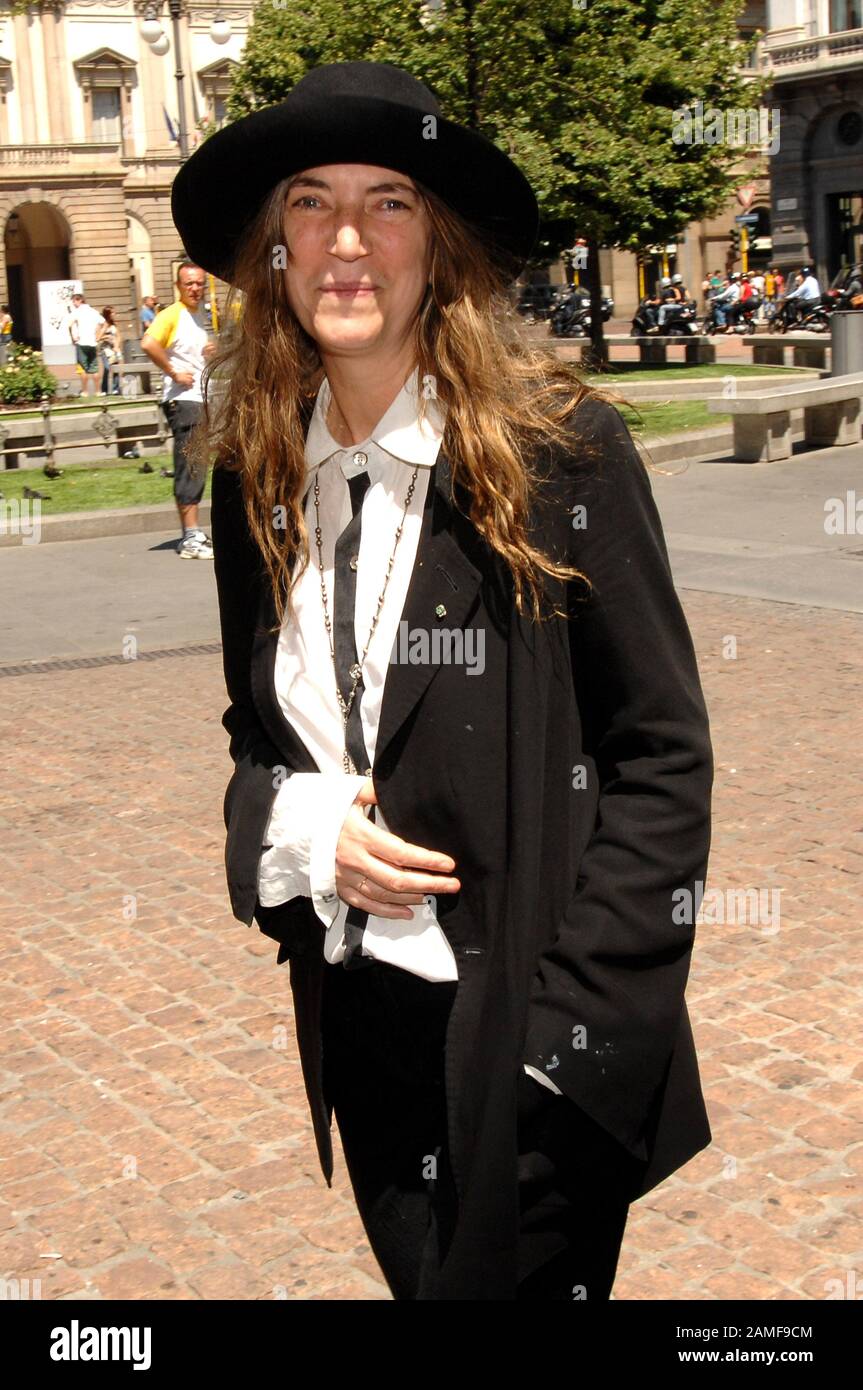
(310, 807)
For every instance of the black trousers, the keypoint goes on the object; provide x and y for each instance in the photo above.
(383, 1049)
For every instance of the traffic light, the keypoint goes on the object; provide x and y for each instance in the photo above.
(735, 242)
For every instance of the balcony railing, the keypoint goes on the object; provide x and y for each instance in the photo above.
(71, 155)
(824, 52)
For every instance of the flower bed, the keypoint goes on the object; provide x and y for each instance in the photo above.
(24, 376)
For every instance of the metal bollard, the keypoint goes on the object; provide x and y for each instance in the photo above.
(846, 329)
(45, 404)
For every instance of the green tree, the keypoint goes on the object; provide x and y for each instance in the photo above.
(585, 95)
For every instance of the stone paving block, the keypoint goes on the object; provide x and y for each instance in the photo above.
(154, 1139)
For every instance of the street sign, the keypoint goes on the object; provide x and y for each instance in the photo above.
(746, 219)
(746, 195)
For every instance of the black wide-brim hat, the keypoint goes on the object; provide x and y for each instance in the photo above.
(349, 113)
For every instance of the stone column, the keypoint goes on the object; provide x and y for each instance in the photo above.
(27, 92)
(54, 40)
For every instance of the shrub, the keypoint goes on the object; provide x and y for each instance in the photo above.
(25, 376)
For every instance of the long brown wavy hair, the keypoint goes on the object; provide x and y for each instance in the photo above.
(505, 397)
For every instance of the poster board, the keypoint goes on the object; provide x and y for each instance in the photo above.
(55, 301)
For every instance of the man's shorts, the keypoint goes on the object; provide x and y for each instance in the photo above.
(182, 416)
(87, 357)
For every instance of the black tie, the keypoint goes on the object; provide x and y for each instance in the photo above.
(345, 650)
(344, 610)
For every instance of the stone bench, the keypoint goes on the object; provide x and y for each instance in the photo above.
(136, 379)
(809, 349)
(762, 419)
(653, 347)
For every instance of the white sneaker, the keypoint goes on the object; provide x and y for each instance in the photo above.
(195, 547)
(206, 543)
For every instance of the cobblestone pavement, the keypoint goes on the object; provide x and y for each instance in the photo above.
(154, 1138)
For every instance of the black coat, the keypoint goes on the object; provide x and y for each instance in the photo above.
(566, 918)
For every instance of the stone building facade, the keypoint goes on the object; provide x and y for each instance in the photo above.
(813, 51)
(90, 116)
(89, 126)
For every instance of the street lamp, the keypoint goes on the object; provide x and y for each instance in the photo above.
(151, 29)
(153, 34)
(220, 29)
(175, 8)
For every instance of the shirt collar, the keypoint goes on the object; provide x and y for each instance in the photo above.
(398, 433)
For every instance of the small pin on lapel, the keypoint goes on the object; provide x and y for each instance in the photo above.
(440, 611)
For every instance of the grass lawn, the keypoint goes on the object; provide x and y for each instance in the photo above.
(649, 418)
(629, 371)
(86, 489)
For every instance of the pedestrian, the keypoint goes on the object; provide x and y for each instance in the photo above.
(6, 324)
(474, 855)
(84, 324)
(110, 340)
(711, 286)
(178, 342)
(778, 283)
(147, 312)
(770, 286)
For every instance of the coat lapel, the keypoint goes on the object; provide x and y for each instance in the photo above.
(443, 575)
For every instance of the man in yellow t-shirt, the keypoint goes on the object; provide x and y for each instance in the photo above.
(177, 341)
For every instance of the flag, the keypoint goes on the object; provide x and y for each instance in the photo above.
(172, 129)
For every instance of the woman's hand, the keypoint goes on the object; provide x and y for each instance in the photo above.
(381, 873)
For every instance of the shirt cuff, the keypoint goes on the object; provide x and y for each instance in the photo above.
(303, 829)
(333, 805)
(544, 1080)
(278, 881)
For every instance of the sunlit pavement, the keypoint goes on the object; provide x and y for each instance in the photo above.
(155, 1138)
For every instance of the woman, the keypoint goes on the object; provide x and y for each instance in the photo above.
(5, 332)
(110, 345)
(472, 764)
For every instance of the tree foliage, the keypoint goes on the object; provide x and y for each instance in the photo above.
(581, 95)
